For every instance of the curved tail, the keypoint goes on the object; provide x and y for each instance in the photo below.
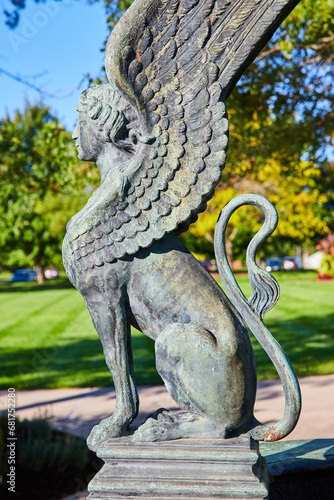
(264, 297)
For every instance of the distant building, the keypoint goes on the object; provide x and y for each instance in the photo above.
(313, 261)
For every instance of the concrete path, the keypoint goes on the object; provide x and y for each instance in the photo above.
(78, 410)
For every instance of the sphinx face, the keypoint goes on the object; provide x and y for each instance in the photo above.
(88, 138)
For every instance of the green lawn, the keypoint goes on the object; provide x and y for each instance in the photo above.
(303, 323)
(48, 341)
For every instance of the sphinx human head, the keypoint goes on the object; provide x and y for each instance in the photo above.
(104, 124)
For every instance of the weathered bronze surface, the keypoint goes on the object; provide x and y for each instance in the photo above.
(158, 132)
(300, 470)
(186, 469)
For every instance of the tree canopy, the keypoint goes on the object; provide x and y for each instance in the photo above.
(281, 133)
(282, 137)
(42, 186)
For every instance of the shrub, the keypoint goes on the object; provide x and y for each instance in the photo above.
(327, 266)
(48, 462)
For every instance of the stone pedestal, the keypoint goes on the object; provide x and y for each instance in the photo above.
(183, 469)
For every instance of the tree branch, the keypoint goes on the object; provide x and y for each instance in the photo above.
(18, 78)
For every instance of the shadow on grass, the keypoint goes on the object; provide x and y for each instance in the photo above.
(32, 286)
(78, 364)
(307, 340)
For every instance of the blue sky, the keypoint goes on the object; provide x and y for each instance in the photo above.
(54, 46)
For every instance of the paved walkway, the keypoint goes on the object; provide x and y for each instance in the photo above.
(78, 410)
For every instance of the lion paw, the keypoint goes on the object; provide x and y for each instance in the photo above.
(107, 428)
(164, 425)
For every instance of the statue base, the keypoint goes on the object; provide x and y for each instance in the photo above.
(184, 469)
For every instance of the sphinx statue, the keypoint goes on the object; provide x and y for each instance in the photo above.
(158, 132)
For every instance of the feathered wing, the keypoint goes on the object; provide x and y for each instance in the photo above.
(175, 61)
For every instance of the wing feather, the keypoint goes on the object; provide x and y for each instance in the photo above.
(175, 61)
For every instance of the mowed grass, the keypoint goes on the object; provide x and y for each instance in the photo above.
(48, 340)
(302, 322)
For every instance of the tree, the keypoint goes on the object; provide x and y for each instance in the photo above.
(326, 245)
(282, 137)
(282, 133)
(292, 188)
(42, 186)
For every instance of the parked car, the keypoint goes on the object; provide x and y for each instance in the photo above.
(24, 275)
(292, 263)
(273, 264)
(51, 273)
(206, 264)
(209, 265)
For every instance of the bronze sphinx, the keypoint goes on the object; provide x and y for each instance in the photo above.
(158, 132)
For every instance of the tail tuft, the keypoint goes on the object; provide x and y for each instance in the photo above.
(265, 291)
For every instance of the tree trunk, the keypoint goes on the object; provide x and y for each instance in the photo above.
(40, 274)
(229, 243)
(229, 250)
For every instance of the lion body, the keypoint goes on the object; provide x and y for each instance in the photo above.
(203, 351)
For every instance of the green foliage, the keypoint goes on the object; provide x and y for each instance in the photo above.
(42, 186)
(281, 134)
(115, 9)
(39, 448)
(327, 265)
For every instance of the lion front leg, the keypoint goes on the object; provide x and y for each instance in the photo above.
(110, 322)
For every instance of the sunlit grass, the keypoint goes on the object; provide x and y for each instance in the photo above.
(48, 340)
(302, 322)
(5, 275)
